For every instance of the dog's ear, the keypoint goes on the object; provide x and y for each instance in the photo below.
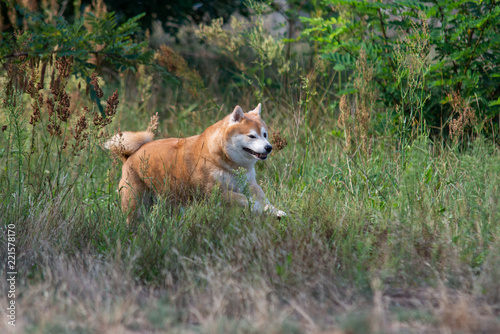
(257, 110)
(236, 116)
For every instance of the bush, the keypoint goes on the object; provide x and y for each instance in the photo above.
(462, 50)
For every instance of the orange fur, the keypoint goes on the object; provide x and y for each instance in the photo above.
(183, 166)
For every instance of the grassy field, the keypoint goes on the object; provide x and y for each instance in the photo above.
(394, 239)
(390, 227)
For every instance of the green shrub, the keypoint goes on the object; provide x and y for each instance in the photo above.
(462, 51)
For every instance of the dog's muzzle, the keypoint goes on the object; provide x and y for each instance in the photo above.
(260, 156)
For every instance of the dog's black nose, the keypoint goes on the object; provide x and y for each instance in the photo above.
(268, 148)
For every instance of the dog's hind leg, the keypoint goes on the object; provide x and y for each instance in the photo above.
(133, 192)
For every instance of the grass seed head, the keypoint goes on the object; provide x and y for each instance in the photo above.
(278, 141)
(153, 124)
(80, 133)
(94, 82)
(112, 104)
(466, 115)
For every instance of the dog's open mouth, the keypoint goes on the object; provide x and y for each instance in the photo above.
(260, 156)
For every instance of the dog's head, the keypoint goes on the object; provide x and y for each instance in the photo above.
(246, 136)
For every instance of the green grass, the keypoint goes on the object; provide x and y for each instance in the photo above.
(370, 242)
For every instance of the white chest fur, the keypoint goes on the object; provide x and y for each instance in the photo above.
(234, 180)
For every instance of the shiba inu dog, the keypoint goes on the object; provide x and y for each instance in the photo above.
(182, 166)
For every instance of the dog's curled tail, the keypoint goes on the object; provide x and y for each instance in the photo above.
(124, 144)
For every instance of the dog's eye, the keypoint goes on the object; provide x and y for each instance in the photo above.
(252, 136)
(265, 135)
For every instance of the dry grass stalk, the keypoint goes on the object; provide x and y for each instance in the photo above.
(366, 98)
(356, 124)
(101, 121)
(345, 121)
(153, 124)
(80, 134)
(466, 116)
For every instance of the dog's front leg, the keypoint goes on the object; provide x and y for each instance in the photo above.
(235, 197)
(263, 203)
(258, 201)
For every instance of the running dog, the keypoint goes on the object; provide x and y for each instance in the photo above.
(182, 166)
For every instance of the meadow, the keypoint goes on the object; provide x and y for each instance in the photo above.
(392, 224)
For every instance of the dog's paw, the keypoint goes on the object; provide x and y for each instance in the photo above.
(280, 214)
(269, 209)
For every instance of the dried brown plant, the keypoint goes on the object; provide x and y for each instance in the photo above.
(153, 124)
(58, 106)
(112, 104)
(144, 165)
(17, 76)
(81, 134)
(177, 65)
(345, 121)
(101, 121)
(94, 82)
(366, 98)
(36, 105)
(35, 87)
(466, 115)
(356, 124)
(278, 141)
(28, 75)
